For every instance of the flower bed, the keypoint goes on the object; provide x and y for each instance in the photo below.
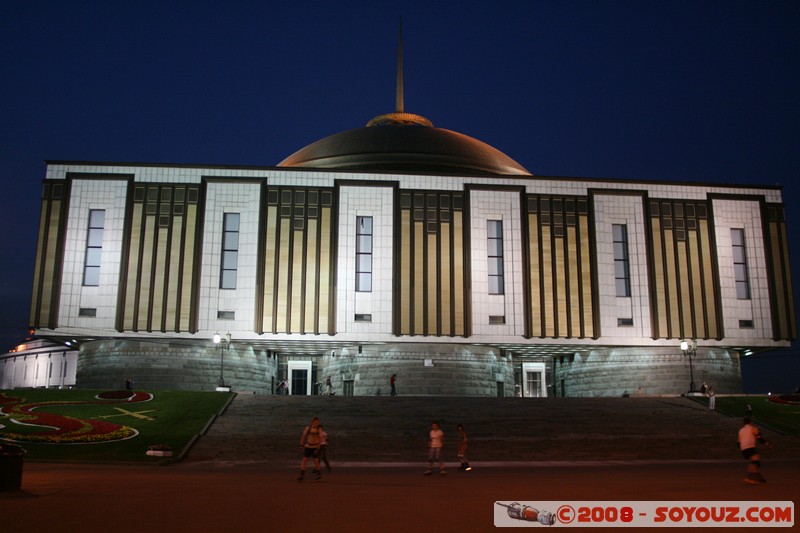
(791, 399)
(61, 429)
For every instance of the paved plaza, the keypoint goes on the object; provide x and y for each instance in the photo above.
(221, 497)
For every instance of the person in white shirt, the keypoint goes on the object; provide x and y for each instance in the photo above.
(435, 445)
(749, 438)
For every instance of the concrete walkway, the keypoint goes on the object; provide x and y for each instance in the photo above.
(245, 497)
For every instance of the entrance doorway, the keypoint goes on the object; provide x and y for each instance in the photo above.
(300, 377)
(533, 380)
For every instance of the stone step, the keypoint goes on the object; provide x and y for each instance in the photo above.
(366, 428)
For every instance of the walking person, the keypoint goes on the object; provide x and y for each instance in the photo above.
(391, 384)
(323, 447)
(435, 445)
(328, 386)
(462, 449)
(283, 388)
(712, 399)
(749, 438)
(309, 443)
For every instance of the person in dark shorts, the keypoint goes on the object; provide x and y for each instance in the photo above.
(749, 439)
(309, 443)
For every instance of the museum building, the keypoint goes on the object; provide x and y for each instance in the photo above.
(400, 248)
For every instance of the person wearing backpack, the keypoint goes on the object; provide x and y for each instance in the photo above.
(309, 443)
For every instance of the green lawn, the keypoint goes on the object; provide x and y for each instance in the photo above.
(779, 416)
(171, 417)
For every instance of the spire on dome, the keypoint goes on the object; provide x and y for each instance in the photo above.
(399, 98)
(400, 142)
(399, 117)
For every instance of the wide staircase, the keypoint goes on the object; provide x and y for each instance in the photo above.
(266, 429)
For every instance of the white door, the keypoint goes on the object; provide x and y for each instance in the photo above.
(533, 380)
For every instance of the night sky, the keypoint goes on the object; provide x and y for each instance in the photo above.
(678, 90)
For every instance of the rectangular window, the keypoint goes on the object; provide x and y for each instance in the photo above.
(230, 251)
(94, 247)
(533, 384)
(364, 254)
(740, 264)
(494, 242)
(622, 270)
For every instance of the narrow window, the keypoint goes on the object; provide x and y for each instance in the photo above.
(533, 384)
(230, 251)
(622, 270)
(494, 241)
(740, 264)
(364, 254)
(94, 247)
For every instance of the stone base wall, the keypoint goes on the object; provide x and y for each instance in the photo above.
(656, 370)
(155, 365)
(461, 371)
(449, 371)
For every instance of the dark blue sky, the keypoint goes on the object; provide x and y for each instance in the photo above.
(683, 90)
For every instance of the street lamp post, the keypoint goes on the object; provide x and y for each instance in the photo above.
(222, 343)
(690, 350)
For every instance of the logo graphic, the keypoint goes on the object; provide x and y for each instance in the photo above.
(527, 513)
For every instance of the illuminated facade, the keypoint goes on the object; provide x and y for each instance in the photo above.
(403, 248)
(480, 285)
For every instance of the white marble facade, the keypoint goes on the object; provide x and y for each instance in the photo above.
(623, 322)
